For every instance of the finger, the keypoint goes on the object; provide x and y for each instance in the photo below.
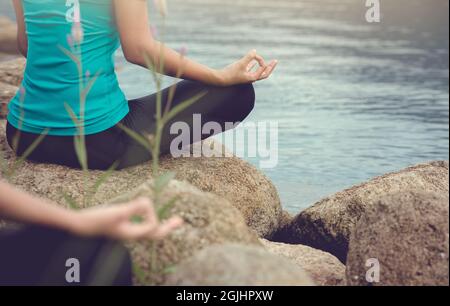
(250, 55)
(260, 60)
(139, 206)
(268, 71)
(254, 76)
(251, 65)
(167, 227)
(253, 55)
(132, 231)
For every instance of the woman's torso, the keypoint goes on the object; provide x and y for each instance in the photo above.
(51, 84)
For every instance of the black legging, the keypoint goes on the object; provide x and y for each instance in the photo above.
(42, 256)
(220, 104)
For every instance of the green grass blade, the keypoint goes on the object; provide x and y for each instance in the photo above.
(71, 113)
(28, 152)
(182, 106)
(101, 180)
(80, 149)
(137, 137)
(169, 270)
(163, 211)
(72, 56)
(163, 180)
(139, 273)
(70, 201)
(91, 83)
(151, 67)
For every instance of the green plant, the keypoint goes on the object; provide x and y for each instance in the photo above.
(86, 82)
(150, 142)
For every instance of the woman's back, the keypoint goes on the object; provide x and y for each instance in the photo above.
(52, 77)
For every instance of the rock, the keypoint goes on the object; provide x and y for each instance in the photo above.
(8, 34)
(237, 265)
(324, 268)
(7, 92)
(408, 233)
(285, 220)
(11, 72)
(208, 219)
(327, 225)
(248, 189)
(232, 178)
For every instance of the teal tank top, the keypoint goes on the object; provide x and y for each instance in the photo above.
(51, 83)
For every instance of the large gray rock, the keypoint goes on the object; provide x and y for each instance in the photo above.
(237, 265)
(247, 188)
(324, 268)
(328, 224)
(8, 34)
(408, 234)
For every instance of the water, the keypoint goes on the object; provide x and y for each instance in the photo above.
(353, 100)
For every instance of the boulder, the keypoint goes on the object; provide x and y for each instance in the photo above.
(406, 235)
(8, 35)
(324, 268)
(7, 92)
(209, 220)
(247, 188)
(328, 224)
(11, 72)
(237, 265)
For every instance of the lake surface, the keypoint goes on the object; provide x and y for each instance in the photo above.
(353, 99)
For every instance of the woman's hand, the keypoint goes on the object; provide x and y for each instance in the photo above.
(112, 221)
(116, 222)
(243, 71)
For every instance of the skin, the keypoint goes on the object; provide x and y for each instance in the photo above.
(138, 44)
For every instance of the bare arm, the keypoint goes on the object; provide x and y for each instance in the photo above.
(22, 40)
(112, 221)
(137, 43)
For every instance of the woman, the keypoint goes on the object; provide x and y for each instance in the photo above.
(39, 255)
(51, 84)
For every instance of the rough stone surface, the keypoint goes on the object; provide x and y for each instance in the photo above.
(11, 72)
(324, 268)
(247, 188)
(408, 233)
(209, 220)
(7, 92)
(238, 265)
(328, 224)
